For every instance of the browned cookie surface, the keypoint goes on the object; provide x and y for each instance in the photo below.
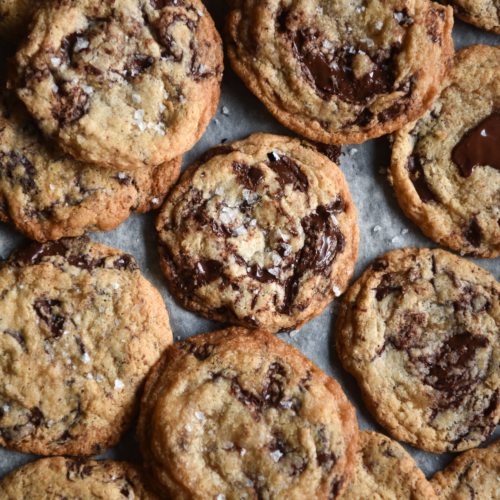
(126, 84)
(446, 166)
(484, 14)
(472, 475)
(79, 330)
(385, 471)
(47, 194)
(15, 18)
(260, 232)
(341, 71)
(419, 331)
(241, 414)
(75, 479)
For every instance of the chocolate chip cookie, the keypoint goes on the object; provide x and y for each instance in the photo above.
(75, 479)
(419, 331)
(241, 414)
(484, 14)
(341, 72)
(260, 232)
(15, 18)
(47, 194)
(125, 84)
(472, 475)
(79, 330)
(445, 167)
(385, 471)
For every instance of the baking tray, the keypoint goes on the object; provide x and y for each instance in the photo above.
(364, 167)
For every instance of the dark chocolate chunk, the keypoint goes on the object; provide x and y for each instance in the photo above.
(288, 172)
(417, 177)
(18, 338)
(44, 309)
(72, 104)
(473, 233)
(383, 291)
(247, 175)
(262, 275)
(200, 352)
(337, 77)
(34, 253)
(332, 152)
(391, 112)
(479, 146)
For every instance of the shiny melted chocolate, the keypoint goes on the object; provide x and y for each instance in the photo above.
(479, 147)
(288, 172)
(337, 77)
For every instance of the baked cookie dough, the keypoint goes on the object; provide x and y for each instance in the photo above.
(75, 479)
(419, 331)
(126, 84)
(260, 232)
(445, 167)
(241, 414)
(46, 194)
(472, 475)
(384, 471)
(484, 14)
(79, 330)
(15, 18)
(341, 72)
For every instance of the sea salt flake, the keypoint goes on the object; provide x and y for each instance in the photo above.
(319, 10)
(119, 384)
(155, 201)
(379, 25)
(327, 44)
(353, 151)
(200, 416)
(200, 13)
(287, 248)
(55, 61)
(404, 231)
(162, 107)
(221, 497)
(261, 478)
(90, 376)
(399, 16)
(276, 455)
(85, 358)
(188, 427)
(243, 451)
(136, 98)
(275, 272)
(240, 230)
(287, 404)
(334, 219)
(202, 68)
(225, 111)
(55, 88)
(6, 408)
(219, 191)
(139, 114)
(115, 285)
(377, 228)
(274, 156)
(166, 95)
(182, 98)
(253, 223)
(249, 483)
(276, 259)
(80, 44)
(52, 187)
(336, 291)
(483, 133)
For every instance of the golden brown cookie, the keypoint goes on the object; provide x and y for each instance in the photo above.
(47, 194)
(79, 330)
(260, 232)
(240, 414)
(473, 475)
(484, 14)
(384, 471)
(75, 479)
(341, 72)
(126, 84)
(445, 167)
(419, 331)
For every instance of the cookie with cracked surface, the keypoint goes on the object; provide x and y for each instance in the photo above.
(385, 471)
(47, 194)
(126, 84)
(341, 72)
(445, 167)
(472, 475)
(15, 18)
(261, 233)
(419, 331)
(75, 479)
(79, 330)
(484, 14)
(248, 417)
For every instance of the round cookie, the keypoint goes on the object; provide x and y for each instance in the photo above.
(260, 232)
(341, 72)
(15, 18)
(472, 475)
(75, 479)
(444, 171)
(241, 414)
(419, 331)
(46, 194)
(79, 330)
(484, 14)
(384, 471)
(126, 84)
